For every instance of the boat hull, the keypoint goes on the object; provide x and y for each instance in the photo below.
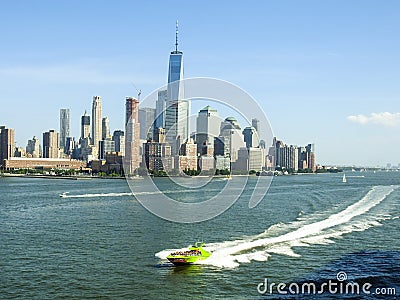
(181, 261)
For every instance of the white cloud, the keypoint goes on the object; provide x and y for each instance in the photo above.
(383, 118)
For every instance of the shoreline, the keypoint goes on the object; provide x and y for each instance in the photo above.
(85, 177)
(9, 175)
(77, 177)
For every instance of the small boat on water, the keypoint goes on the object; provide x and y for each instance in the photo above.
(344, 180)
(190, 256)
(64, 195)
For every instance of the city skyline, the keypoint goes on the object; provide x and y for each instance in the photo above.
(308, 64)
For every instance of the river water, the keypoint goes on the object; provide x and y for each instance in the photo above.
(99, 242)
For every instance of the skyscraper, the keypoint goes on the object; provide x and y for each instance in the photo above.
(70, 146)
(207, 127)
(97, 112)
(50, 144)
(85, 126)
(287, 156)
(64, 126)
(105, 129)
(7, 143)
(177, 109)
(256, 124)
(33, 147)
(119, 140)
(230, 133)
(311, 157)
(106, 146)
(160, 109)
(132, 135)
(146, 120)
(250, 137)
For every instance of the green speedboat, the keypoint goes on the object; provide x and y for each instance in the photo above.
(191, 256)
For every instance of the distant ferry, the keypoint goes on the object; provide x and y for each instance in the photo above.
(190, 256)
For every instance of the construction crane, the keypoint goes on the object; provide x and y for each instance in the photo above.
(138, 91)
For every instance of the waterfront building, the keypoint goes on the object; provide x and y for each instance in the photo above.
(97, 111)
(119, 140)
(114, 158)
(132, 135)
(310, 152)
(105, 129)
(64, 126)
(222, 163)
(290, 157)
(33, 148)
(177, 108)
(207, 127)
(257, 158)
(157, 156)
(50, 144)
(188, 158)
(287, 157)
(43, 163)
(206, 163)
(112, 163)
(250, 159)
(146, 120)
(98, 165)
(7, 143)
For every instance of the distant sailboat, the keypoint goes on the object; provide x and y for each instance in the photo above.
(344, 178)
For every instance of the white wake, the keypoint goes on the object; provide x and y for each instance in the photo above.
(97, 195)
(231, 253)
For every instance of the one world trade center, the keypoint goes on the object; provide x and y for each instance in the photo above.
(177, 108)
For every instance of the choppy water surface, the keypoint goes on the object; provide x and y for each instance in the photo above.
(99, 242)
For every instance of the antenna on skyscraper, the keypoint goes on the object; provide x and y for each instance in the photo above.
(176, 36)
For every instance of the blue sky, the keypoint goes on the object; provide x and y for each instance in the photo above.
(325, 72)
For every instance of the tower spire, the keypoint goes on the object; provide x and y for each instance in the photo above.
(176, 36)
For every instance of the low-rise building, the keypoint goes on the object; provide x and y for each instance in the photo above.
(43, 163)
